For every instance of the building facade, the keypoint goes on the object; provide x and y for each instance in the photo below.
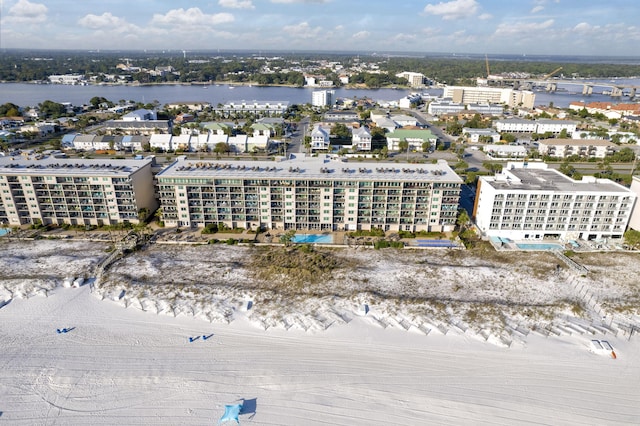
(321, 98)
(585, 148)
(530, 201)
(48, 190)
(490, 95)
(309, 193)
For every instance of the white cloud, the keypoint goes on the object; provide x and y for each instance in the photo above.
(456, 9)
(485, 16)
(583, 27)
(361, 35)
(404, 37)
(302, 30)
(25, 12)
(191, 17)
(106, 20)
(537, 9)
(299, 1)
(522, 29)
(237, 4)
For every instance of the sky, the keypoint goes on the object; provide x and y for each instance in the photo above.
(528, 27)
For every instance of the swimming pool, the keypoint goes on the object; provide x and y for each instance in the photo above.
(313, 238)
(539, 246)
(4, 232)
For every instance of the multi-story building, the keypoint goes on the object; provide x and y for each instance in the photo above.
(531, 201)
(321, 98)
(48, 190)
(521, 125)
(477, 135)
(415, 79)
(490, 95)
(634, 223)
(361, 139)
(415, 139)
(585, 148)
(309, 193)
(319, 139)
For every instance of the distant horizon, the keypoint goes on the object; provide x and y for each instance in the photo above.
(530, 27)
(467, 55)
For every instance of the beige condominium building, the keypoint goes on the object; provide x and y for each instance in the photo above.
(48, 190)
(530, 201)
(309, 193)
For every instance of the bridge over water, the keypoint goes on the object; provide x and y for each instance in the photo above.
(587, 87)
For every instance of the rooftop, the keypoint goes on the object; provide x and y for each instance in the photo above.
(301, 167)
(49, 165)
(537, 179)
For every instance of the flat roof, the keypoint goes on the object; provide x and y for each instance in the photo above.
(306, 167)
(552, 180)
(35, 165)
(577, 142)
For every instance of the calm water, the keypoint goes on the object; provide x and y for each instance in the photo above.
(23, 94)
(31, 94)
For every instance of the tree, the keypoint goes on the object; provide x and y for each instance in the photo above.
(222, 147)
(632, 238)
(508, 137)
(403, 145)
(287, 237)
(341, 131)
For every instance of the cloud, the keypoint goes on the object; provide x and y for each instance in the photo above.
(522, 29)
(191, 17)
(537, 9)
(361, 35)
(583, 27)
(456, 9)
(404, 37)
(299, 1)
(485, 16)
(302, 30)
(26, 12)
(104, 21)
(237, 4)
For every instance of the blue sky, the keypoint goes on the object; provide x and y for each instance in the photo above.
(567, 27)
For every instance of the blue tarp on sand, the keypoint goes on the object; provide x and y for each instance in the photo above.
(231, 412)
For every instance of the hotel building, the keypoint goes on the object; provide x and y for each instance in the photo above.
(48, 190)
(530, 201)
(309, 193)
(490, 95)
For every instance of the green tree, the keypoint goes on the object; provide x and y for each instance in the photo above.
(632, 238)
(222, 147)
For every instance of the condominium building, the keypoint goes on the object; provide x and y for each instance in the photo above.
(321, 98)
(48, 190)
(634, 223)
(531, 201)
(415, 79)
(309, 193)
(490, 95)
(585, 148)
(521, 125)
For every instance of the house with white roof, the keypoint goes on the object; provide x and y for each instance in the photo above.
(361, 139)
(140, 115)
(319, 139)
(505, 151)
(161, 141)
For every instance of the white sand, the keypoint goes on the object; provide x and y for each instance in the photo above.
(124, 366)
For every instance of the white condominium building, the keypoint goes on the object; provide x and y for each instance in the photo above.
(321, 98)
(585, 148)
(52, 190)
(310, 193)
(531, 201)
(490, 95)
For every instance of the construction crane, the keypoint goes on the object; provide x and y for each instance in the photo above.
(551, 73)
(486, 60)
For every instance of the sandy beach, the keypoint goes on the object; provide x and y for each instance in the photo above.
(387, 339)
